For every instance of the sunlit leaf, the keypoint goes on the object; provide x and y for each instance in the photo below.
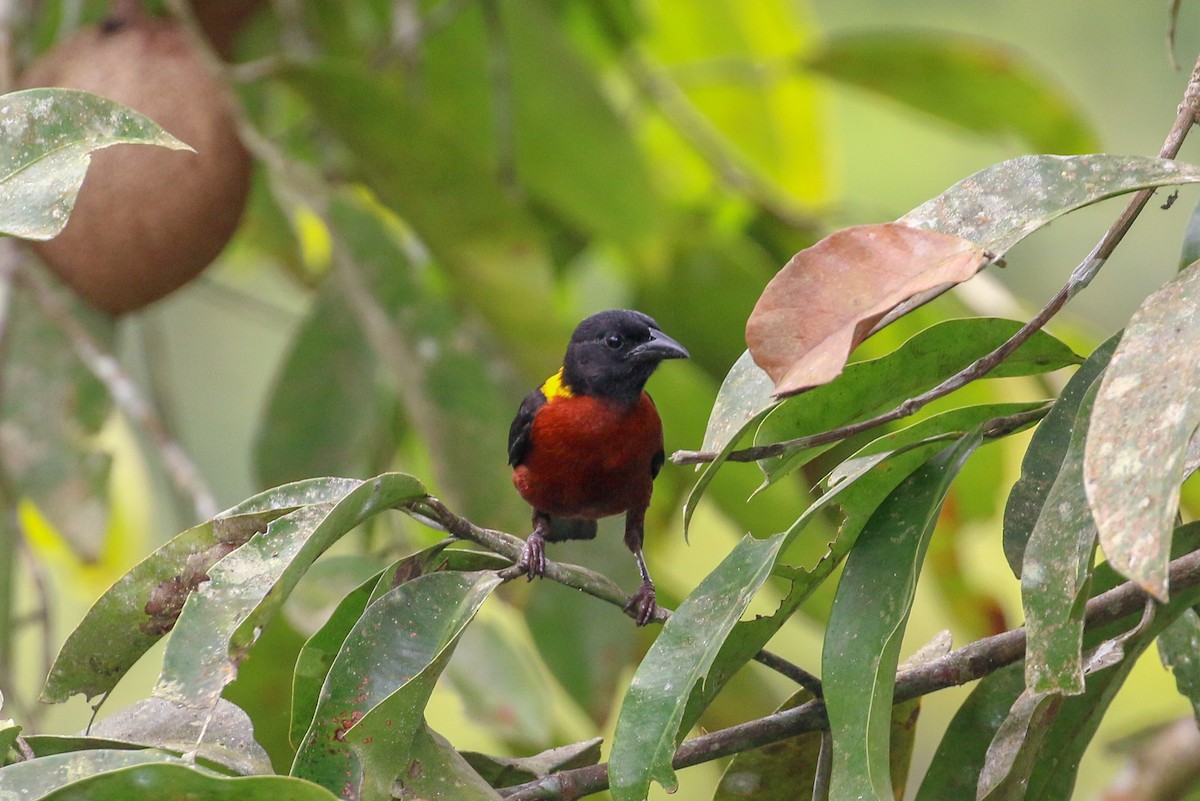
(998, 207)
(221, 619)
(1044, 457)
(1057, 570)
(47, 141)
(647, 730)
(977, 84)
(829, 297)
(1145, 414)
(373, 702)
(870, 387)
(867, 622)
(115, 632)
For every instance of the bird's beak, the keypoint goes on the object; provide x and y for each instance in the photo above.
(659, 347)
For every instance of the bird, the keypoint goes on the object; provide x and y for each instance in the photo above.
(588, 442)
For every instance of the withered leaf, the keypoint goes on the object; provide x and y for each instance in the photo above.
(829, 297)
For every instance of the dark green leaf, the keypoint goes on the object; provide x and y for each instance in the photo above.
(1014, 748)
(373, 702)
(958, 762)
(115, 632)
(185, 781)
(973, 83)
(1000, 206)
(49, 136)
(867, 622)
(220, 621)
(1145, 414)
(1190, 250)
(1044, 457)
(927, 358)
(648, 726)
(436, 772)
(1179, 648)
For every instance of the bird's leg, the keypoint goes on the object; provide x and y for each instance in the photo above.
(643, 602)
(533, 556)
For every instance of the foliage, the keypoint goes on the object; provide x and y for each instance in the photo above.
(450, 186)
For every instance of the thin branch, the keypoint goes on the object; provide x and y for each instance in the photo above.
(961, 666)
(434, 512)
(124, 392)
(1081, 276)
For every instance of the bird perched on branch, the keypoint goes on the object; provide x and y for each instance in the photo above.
(588, 442)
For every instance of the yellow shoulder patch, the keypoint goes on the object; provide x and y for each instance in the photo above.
(555, 389)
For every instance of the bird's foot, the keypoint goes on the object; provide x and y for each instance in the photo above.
(642, 603)
(533, 556)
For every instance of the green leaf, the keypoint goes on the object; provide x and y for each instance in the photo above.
(40, 777)
(1014, 749)
(437, 772)
(648, 725)
(975, 84)
(857, 486)
(958, 761)
(115, 632)
(373, 701)
(783, 771)
(1189, 251)
(488, 245)
(742, 402)
(49, 136)
(222, 736)
(925, 360)
(1179, 649)
(1146, 412)
(53, 408)
(867, 622)
(185, 781)
(220, 621)
(1044, 456)
(1057, 571)
(1001, 205)
(324, 414)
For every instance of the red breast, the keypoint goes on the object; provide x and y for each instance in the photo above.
(590, 457)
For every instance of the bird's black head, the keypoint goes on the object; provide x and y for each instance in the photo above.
(613, 353)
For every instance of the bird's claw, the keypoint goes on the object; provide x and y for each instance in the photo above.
(533, 557)
(642, 604)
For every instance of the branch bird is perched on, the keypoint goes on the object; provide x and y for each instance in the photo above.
(588, 442)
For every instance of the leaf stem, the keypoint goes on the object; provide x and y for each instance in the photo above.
(1081, 276)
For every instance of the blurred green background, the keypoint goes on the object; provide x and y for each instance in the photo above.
(832, 153)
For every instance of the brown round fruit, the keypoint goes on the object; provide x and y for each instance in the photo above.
(148, 220)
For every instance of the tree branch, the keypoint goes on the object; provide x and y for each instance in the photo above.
(1081, 276)
(434, 512)
(961, 666)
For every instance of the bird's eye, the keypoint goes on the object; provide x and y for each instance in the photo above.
(614, 341)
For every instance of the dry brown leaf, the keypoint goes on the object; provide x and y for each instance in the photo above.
(828, 298)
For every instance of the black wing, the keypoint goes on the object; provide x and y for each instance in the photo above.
(659, 458)
(522, 425)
